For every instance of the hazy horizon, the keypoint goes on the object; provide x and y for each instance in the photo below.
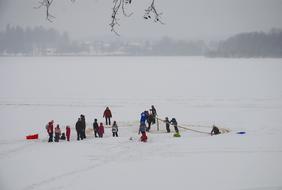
(189, 20)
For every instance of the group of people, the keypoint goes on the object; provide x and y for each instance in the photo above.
(80, 126)
(147, 118)
(174, 123)
(57, 132)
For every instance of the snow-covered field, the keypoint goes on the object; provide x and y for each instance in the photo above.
(235, 94)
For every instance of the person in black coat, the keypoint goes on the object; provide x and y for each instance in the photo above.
(83, 125)
(150, 121)
(174, 123)
(78, 127)
(95, 128)
(215, 130)
(167, 124)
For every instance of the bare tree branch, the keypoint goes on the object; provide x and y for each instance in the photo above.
(119, 5)
(152, 11)
(47, 4)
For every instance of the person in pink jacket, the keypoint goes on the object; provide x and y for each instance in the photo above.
(101, 130)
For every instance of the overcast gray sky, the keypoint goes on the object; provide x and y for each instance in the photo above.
(184, 19)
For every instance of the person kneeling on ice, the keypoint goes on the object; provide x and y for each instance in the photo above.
(115, 129)
(63, 137)
(101, 130)
(215, 130)
(142, 130)
(57, 133)
(174, 123)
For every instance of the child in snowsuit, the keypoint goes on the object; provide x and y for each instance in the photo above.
(68, 131)
(57, 133)
(115, 129)
(101, 130)
(174, 123)
(215, 130)
(167, 125)
(63, 137)
(95, 128)
(142, 130)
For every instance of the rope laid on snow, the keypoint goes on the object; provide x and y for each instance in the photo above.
(222, 130)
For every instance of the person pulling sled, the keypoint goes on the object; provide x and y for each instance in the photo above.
(174, 123)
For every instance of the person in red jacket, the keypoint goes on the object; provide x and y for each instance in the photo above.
(68, 131)
(101, 130)
(107, 115)
(50, 129)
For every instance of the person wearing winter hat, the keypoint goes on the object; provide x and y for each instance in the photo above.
(95, 128)
(68, 132)
(107, 115)
(101, 130)
(115, 129)
(50, 129)
(57, 133)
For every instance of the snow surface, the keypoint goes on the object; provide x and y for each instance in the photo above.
(235, 94)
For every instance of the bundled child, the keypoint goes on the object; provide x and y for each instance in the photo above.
(115, 129)
(174, 123)
(95, 128)
(101, 130)
(167, 124)
(68, 131)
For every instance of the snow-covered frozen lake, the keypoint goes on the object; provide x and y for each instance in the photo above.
(235, 94)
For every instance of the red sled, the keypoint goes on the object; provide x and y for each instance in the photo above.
(31, 137)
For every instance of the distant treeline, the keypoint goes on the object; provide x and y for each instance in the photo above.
(34, 41)
(41, 41)
(253, 44)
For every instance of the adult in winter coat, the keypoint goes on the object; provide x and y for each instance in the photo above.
(107, 115)
(115, 129)
(68, 132)
(154, 112)
(215, 130)
(78, 127)
(167, 124)
(150, 121)
(95, 128)
(50, 129)
(143, 117)
(57, 133)
(101, 130)
(83, 126)
(142, 130)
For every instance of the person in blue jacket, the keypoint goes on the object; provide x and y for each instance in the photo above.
(143, 117)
